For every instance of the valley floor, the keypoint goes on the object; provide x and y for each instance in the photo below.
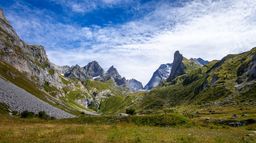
(14, 130)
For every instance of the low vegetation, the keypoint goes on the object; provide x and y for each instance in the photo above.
(51, 131)
(41, 115)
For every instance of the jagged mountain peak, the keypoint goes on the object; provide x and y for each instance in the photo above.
(177, 66)
(112, 72)
(160, 75)
(93, 63)
(93, 69)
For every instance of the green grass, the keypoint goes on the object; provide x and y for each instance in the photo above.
(51, 71)
(3, 108)
(50, 89)
(71, 98)
(100, 86)
(164, 120)
(37, 131)
(116, 104)
(64, 81)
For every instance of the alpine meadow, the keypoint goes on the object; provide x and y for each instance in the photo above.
(127, 71)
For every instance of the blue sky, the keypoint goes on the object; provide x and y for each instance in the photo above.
(136, 36)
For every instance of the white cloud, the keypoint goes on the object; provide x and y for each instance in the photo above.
(202, 28)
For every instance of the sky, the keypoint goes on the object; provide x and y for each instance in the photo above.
(135, 36)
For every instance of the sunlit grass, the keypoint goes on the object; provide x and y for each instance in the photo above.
(35, 130)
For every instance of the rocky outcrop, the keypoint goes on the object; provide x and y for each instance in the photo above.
(113, 74)
(252, 69)
(20, 100)
(93, 69)
(178, 67)
(61, 69)
(76, 72)
(29, 59)
(134, 85)
(160, 75)
(199, 61)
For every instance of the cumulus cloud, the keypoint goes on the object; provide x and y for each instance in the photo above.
(209, 29)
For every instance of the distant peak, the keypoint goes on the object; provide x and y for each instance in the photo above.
(177, 54)
(177, 66)
(76, 66)
(93, 63)
(112, 70)
(199, 61)
(112, 67)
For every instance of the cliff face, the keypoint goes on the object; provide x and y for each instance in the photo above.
(178, 67)
(30, 59)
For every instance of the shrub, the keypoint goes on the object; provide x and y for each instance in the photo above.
(130, 111)
(15, 113)
(27, 114)
(43, 115)
(159, 120)
(51, 71)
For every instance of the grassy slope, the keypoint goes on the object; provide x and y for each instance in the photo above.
(197, 86)
(100, 86)
(116, 104)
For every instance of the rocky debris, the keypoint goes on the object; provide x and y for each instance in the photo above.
(20, 100)
(160, 75)
(177, 66)
(235, 123)
(134, 85)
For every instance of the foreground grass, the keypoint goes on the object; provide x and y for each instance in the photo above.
(35, 130)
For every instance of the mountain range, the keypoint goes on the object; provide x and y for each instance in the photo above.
(64, 91)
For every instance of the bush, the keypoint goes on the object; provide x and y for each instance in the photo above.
(43, 115)
(51, 71)
(148, 120)
(130, 111)
(27, 114)
(15, 113)
(159, 120)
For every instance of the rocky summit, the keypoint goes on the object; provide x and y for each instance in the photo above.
(159, 76)
(177, 66)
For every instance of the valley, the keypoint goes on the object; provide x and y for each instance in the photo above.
(186, 100)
